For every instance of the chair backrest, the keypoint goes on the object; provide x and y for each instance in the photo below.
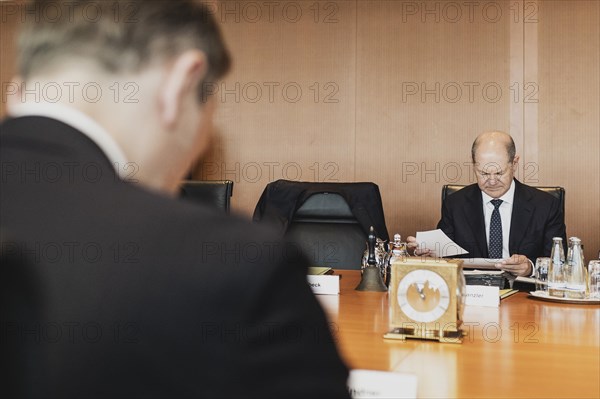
(556, 191)
(328, 221)
(327, 232)
(216, 193)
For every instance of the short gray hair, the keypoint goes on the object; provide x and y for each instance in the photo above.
(119, 35)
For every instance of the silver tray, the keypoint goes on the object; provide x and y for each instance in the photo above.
(545, 297)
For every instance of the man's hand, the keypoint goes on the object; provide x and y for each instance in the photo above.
(411, 242)
(517, 264)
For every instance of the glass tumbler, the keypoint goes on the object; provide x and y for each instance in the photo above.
(541, 274)
(594, 276)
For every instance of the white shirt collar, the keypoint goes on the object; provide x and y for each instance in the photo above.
(79, 121)
(508, 196)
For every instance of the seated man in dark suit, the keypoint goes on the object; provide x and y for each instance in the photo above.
(500, 217)
(143, 295)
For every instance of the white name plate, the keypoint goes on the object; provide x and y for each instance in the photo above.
(482, 295)
(381, 384)
(327, 285)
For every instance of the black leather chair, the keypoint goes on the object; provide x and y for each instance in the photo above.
(556, 191)
(328, 233)
(216, 193)
(317, 218)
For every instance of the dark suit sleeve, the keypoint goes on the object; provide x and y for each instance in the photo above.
(295, 347)
(446, 223)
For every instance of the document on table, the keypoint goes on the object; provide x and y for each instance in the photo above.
(481, 263)
(439, 243)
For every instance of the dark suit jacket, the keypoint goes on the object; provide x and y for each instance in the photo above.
(147, 296)
(536, 218)
(281, 199)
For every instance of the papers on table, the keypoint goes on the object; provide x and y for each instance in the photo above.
(483, 272)
(442, 246)
(507, 292)
(439, 243)
(481, 263)
(319, 270)
(529, 280)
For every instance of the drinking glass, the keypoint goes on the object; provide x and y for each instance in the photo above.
(594, 275)
(541, 274)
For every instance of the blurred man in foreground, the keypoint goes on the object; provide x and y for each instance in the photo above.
(144, 296)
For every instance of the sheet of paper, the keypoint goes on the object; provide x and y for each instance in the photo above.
(318, 270)
(507, 292)
(481, 263)
(479, 272)
(529, 280)
(439, 243)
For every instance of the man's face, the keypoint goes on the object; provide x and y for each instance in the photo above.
(493, 170)
(204, 130)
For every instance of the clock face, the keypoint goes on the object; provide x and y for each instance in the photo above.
(423, 295)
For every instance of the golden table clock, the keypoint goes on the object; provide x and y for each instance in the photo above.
(427, 299)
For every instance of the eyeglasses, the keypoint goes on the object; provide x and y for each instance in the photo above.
(483, 175)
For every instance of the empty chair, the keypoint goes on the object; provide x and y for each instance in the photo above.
(328, 221)
(215, 193)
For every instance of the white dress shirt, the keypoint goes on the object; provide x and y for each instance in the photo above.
(79, 121)
(505, 210)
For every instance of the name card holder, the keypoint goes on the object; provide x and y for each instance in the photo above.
(482, 295)
(324, 284)
(381, 384)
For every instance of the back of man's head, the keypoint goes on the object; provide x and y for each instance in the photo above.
(120, 36)
(163, 55)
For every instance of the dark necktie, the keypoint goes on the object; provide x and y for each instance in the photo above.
(495, 246)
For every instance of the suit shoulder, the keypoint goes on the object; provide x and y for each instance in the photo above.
(537, 195)
(462, 194)
(182, 215)
(208, 245)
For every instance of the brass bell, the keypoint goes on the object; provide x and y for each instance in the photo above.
(371, 280)
(371, 276)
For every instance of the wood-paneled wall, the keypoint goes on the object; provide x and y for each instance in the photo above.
(404, 88)
(9, 24)
(395, 91)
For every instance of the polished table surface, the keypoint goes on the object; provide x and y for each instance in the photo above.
(525, 348)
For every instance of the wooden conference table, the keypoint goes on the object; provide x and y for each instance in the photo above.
(526, 348)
